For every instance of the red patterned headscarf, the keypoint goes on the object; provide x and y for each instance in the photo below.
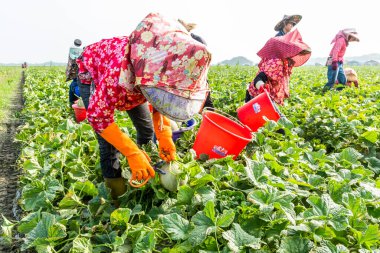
(288, 46)
(170, 67)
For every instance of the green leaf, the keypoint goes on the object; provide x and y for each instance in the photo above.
(81, 245)
(47, 231)
(269, 157)
(226, 218)
(295, 245)
(209, 210)
(325, 209)
(40, 193)
(204, 194)
(350, 155)
(328, 247)
(32, 166)
(7, 228)
(178, 249)
(67, 125)
(370, 237)
(176, 226)
(45, 249)
(200, 219)
(120, 217)
(337, 189)
(238, 239)
(370, 136)
(184, 195)
(374, 164)
(199, 234)
(99, 202)
(256, 172)
(372, 189)
(202, 181)
(145, 243)
(87, 187)
(28, 222)
(357, 206)
(203, 227)
(71, 200)
(271, 195)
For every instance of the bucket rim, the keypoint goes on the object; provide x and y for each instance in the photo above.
(75, 106)
(272, 103)
(244, 126)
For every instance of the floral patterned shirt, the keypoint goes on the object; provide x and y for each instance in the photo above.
(104, 60)
(278, 72)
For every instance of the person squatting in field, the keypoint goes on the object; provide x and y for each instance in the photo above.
(352, 77)
(278, 57)
(72, 71)
(335, 72)
(158, 62)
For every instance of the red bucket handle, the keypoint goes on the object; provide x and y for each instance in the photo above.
(227, 116)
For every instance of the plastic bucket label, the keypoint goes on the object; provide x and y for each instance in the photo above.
(256, 108)
(254, 112)
(219, 150)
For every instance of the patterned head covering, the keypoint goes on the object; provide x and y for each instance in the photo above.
(288, 46)
(170, 67)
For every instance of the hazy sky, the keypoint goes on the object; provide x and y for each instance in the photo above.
(43, 30)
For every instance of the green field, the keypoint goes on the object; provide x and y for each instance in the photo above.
(314, 189)
(9, 79)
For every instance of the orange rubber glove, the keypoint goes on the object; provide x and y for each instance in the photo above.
(138, 160)
(163, 132)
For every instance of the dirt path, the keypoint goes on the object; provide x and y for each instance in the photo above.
(9, 152)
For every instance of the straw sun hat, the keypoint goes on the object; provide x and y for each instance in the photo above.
(351, 32)
(189, 26)
(286, 19)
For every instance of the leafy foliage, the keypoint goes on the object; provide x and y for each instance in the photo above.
(314, 189)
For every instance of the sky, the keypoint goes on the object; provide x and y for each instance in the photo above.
(39, 31)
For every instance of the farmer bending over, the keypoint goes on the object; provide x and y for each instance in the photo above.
(278, 57)
(335, 72)
(158, 62)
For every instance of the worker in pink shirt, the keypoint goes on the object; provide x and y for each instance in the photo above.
(335, 72)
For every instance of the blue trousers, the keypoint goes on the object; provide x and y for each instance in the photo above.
(335, 75)
(73, 91)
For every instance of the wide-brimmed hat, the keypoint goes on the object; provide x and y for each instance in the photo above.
(189, 26)
(346, 33)
(351, 32)
(286, 19)
(170, 67)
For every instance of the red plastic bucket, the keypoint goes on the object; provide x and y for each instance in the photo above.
(80, 113)
(219, 136)
(252, 113)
